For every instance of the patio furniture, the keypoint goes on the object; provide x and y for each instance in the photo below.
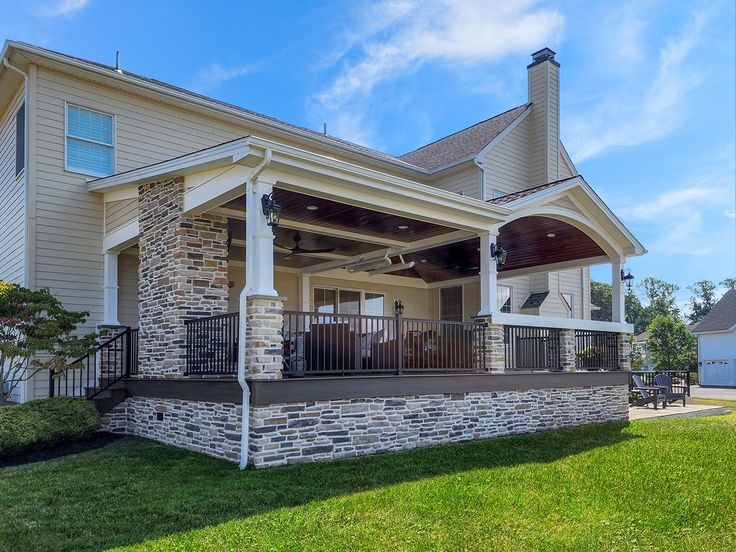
(647, 394)
(671, 394)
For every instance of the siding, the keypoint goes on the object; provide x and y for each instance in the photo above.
(12, 199)
(564, 281)
(128, 289)
(119, 213)
(507, 164)
(465, 181)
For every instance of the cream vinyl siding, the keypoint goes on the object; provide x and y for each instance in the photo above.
(128, 288)
(12, 198)
(564, 281)
(507, 163)
(565, 169)
(120, 213)
(465, 180)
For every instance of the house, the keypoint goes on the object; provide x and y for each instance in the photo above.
(271, 294)
(716, 334)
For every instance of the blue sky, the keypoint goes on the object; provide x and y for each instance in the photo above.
(648, 97)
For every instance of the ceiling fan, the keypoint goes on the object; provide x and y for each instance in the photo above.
(298, 250)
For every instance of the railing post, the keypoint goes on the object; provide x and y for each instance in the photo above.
(400, 343)
(51, 384)
(128, 351)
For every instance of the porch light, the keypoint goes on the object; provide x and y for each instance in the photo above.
(627, 278)
(498, 253)
(271, 210)
(398, 307)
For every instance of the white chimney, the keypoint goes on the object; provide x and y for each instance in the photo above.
(544, 95)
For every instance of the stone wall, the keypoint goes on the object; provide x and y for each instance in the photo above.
(321, 430)
(325, 430)
(208, 427)
(183, 274)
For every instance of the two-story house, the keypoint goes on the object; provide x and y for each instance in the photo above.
(455, 275)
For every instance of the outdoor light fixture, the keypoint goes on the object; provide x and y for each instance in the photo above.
(271, 210)
(498, 253)
(627, 278)
(398, 307)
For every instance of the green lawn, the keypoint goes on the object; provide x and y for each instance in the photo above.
(651, 485)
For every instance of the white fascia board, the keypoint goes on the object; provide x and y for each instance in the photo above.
(554, 267)
(129, 192)
(505, 132)
(532, 320)
(229, 153)
(122, 238)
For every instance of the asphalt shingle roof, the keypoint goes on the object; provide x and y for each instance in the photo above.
(462, 144)
(721, 317)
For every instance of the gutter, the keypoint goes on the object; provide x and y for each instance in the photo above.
(242, 302)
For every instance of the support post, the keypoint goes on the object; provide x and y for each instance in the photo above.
(258, 242)
(304, 289)
(567, 351)
(488, 276)
(618, 298)
(110, 289)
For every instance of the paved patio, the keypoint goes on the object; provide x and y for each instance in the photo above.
(676, 411)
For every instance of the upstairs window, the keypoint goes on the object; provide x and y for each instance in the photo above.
(20, 140)
(90, 141)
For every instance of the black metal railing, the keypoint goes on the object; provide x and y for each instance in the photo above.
(114, 359)
(346, 344)
(212, 344)
(680, 380)
(530, 349)
(596, 350)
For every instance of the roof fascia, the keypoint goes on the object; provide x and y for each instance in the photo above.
(505, 132)
(724, 331)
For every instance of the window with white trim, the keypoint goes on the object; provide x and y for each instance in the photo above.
(451, 304)
(348, 301)
(568, 299)
(504, 298)
(90, 141)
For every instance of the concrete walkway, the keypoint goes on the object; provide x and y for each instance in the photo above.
(722, 393)
(675, 411)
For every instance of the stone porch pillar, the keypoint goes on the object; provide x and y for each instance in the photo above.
(567, 350)
(264, 347)
(495, 348)
(183, 274)
(624, 351)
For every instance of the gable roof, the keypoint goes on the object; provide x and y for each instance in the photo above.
(721, 317)
(508, 198)
(463, 144)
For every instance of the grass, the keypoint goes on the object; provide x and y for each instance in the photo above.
(650, 485)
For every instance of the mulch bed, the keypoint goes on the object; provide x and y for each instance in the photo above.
(99, 439)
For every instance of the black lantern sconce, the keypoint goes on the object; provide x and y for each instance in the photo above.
(498, 254)
(398, 307)
(627, 278)
(271, 210)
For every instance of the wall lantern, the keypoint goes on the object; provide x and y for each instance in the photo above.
(271, 210)
(398, 307)
(627, 278)
(498, 254)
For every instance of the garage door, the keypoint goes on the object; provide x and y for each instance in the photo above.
(718, 372)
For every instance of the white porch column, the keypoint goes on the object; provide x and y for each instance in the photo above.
(488, 275)
(110, 289)
(304, 289)
(258, 242)
(618, 311)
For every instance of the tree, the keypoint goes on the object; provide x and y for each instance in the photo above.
(670, 344)
(704, 298)
(660, 296)
(600, 296)
(730, 283)
(36, 334)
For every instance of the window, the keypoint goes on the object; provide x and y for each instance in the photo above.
(504, 298)
(90, 147)
(20, 140)
(451, 304)
(568, 299)
(498, 193)
(348, 301)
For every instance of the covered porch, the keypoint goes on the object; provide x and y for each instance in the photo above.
(365, 273)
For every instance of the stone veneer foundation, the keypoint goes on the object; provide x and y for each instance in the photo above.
(290, 433)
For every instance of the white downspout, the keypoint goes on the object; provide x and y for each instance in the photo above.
(245, 417)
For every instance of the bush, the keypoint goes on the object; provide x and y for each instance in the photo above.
(44, 423)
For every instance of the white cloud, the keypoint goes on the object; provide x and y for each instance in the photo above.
(639, 109)
(64, 7)
(215, 75)
(396, 38)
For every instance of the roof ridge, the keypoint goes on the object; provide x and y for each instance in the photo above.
(464, 129)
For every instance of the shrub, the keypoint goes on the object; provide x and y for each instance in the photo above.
(46, 422)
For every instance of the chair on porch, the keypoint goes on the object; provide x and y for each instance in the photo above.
(664, 381)
(647, 394)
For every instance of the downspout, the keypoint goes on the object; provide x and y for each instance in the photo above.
(26, 191)
(481, 166)
(245, 417)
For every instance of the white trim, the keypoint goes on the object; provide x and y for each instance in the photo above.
(554, 267)
(505, 132)
(113, 145)
(535, 321)
(726, 331)
(568, 159)
(123, 237)
(120, 195)
(337, 290)
(511, 297)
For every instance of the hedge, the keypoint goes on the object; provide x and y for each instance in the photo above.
(45, 422)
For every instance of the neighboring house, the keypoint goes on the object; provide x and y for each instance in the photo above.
(641, 347)
(154, 208)
(716, 334)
